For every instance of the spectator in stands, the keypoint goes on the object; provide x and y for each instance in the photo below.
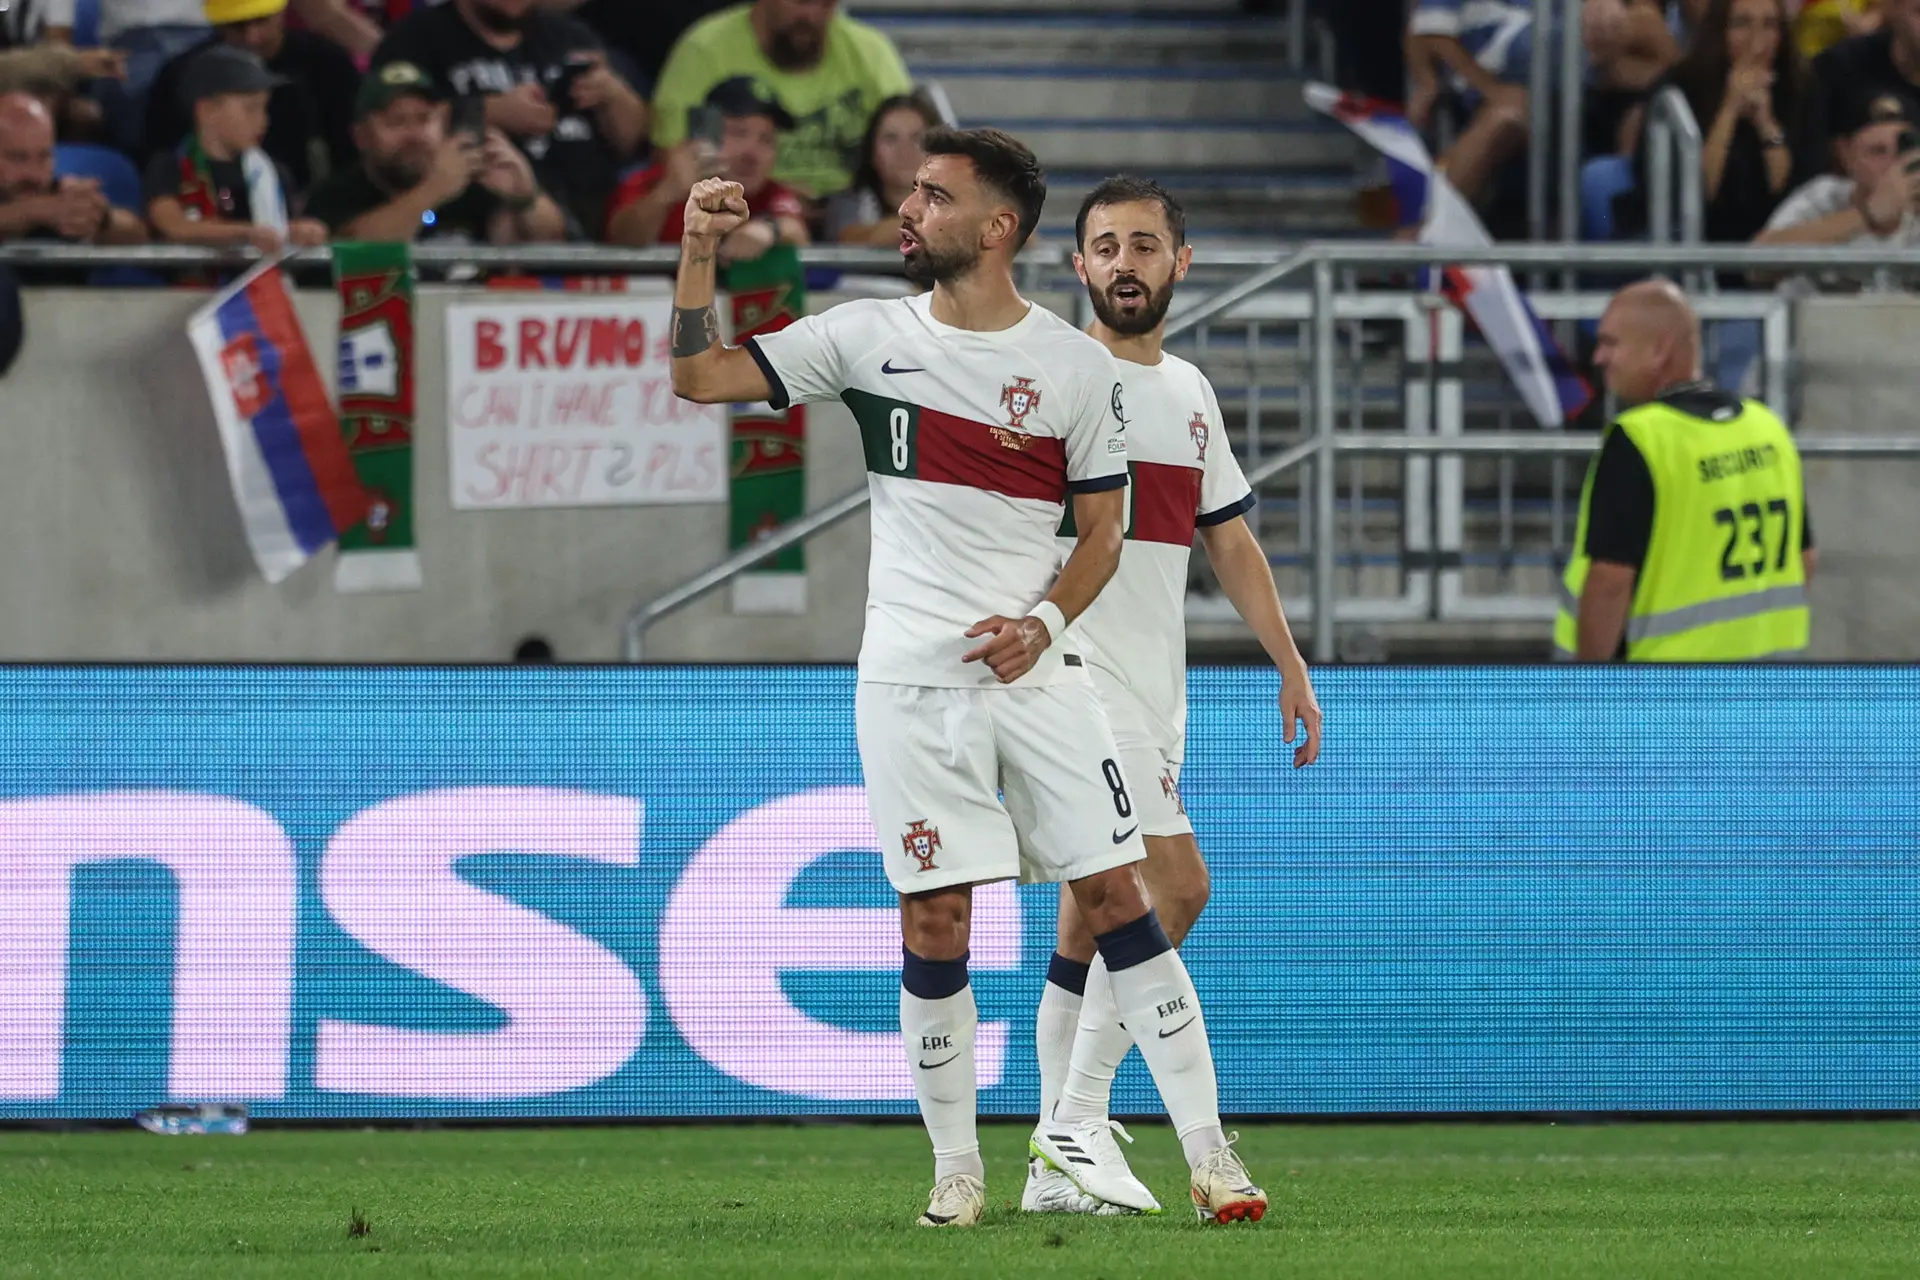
(1630, 45)
(868, 212)
(311, 111)
(57, 74)
(219, 188)
(1869, 66)
(150, 33)
(829, 71)
(416, 181)
(1485, 51)
(47, 69)
(651, 206)
(341, 22)
(547, 86)
(34, 205)
(1874, 204)
(1744, 82)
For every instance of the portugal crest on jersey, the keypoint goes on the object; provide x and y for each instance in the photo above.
(1198, 430)
(1020, 399)
(921, 842)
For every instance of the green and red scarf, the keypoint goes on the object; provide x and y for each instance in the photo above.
(769, 447)
(266, 202)
(376, 413)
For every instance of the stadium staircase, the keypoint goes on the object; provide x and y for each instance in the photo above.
(1190, 92)
(1206, 99)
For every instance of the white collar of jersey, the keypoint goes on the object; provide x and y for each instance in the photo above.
(923, 303)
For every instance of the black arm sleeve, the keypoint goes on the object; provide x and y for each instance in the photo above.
(1806, 523)
(1620, 512)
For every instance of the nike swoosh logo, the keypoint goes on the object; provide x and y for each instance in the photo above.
(886, 366)
(1120, 837)
(1177, 1030)
(933, 1066)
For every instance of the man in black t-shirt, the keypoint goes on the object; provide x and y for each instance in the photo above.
(416, 182)
(309, 112)
(547, 87)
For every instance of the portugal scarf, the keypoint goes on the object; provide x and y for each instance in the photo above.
(376, 412)
(266, 203)
(769, 445)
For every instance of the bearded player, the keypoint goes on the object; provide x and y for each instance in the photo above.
(982, 417)
(1132, 245)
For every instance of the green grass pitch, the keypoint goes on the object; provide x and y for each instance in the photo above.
(1799, 1201)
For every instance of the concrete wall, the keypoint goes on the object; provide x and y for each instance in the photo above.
(123, 543)
(1860, 375)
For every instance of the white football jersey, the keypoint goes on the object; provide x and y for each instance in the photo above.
(1184, 476)
(973, 442)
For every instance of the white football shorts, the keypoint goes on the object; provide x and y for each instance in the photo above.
(1150, 753)
(938, 763)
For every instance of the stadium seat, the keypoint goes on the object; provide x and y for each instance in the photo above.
(86, 23)
(118, 179)
(1601, 179)
(120, 182)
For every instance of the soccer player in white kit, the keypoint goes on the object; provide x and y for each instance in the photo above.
(982, 416)
(1132, 245)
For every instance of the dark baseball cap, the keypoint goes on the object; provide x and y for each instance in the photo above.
(1864, 110)
(383, 86)
(745, 96)
(225, 69)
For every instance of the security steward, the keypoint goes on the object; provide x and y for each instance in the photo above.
(1692, 543)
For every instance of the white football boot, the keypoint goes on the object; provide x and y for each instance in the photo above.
(1223, 1190)
(1050, 1191)
(1087, 1154)
(958, 1200)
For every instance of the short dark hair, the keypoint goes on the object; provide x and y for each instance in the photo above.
(1003, 162)
(1124, 188)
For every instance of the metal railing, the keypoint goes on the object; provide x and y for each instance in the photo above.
(1038, 265)
(1326, 443)
(1556, 103)
(1673, 139)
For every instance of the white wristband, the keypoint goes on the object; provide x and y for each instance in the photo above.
(1051, 618)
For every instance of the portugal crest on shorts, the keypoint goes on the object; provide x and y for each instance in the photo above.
(1167, 785)
(1020, 399)
(920, 842)
(1198, 430)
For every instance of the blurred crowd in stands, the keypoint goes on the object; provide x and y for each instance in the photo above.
(1806, 110)
(292, 122)
(269, 122)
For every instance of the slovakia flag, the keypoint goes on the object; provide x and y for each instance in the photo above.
(1497, 307)
(292, 476)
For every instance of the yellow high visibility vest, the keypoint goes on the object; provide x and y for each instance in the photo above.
(1723, 579)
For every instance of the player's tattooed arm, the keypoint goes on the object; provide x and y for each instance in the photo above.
(694, 330)
(705, 370)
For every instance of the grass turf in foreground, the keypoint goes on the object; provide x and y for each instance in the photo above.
(1804, 1201)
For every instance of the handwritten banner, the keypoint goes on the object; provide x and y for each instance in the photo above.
(568, 402)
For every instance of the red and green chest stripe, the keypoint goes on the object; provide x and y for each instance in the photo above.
(1162, 502)
(911, 441)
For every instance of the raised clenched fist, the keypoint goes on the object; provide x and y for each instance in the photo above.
(715, 207)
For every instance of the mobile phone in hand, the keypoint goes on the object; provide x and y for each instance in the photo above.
(470, 117)
(705, 125)
(576, 65)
